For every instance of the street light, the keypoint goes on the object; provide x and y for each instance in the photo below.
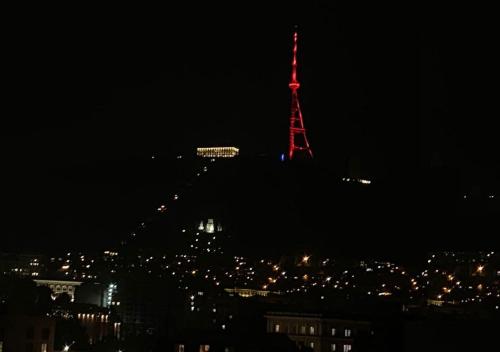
(67, 347)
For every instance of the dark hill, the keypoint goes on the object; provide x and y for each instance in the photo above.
(265, 205)
(270, 207)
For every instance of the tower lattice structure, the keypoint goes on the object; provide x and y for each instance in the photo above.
(298, 138)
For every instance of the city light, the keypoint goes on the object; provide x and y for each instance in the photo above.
(67, 347)
(356, 180)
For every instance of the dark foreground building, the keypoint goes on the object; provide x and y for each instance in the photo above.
(228, 342)
(320, 332)
(26, 333)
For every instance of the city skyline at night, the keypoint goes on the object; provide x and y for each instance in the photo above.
(165, 186)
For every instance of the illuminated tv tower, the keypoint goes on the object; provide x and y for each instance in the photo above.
(298, 139)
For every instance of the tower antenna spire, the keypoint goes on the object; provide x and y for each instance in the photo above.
(298, 138)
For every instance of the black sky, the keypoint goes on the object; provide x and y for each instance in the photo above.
(405, 91)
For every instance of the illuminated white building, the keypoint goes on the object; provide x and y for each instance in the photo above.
(109, 295)
(209, 226)
(248, 292)
(217, 152)
(59, 287)
(357, 180)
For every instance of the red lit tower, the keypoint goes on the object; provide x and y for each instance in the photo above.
(298, 139)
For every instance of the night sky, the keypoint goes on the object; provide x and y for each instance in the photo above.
(406, 92)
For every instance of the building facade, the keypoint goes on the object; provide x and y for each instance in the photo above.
(318, 332)
(26, 333)
(217, 152)
(59, 287)
(98, 324)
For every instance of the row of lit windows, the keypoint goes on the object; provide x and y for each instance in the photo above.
(23, 271)
(345, 348)
(312, 330)
(333, 347)
(103, 317)
(203, 348)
